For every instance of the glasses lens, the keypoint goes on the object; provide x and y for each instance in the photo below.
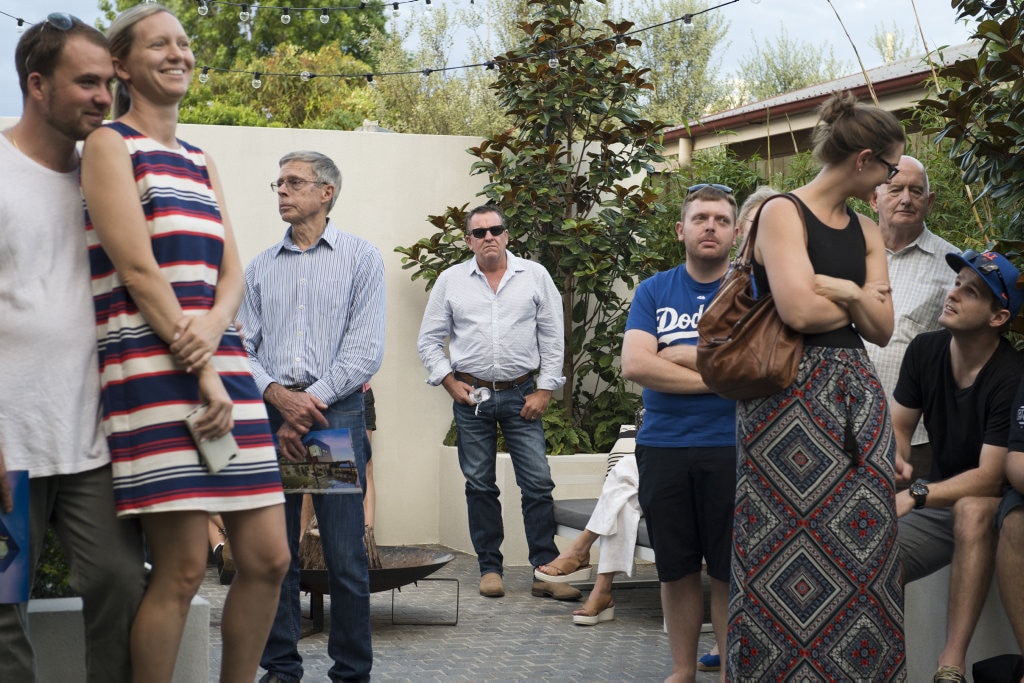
(480, 233)
(716, 186)
(60, 20)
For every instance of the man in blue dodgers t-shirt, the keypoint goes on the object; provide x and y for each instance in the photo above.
(686, 446)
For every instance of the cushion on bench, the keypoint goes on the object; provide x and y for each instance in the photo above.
(575, 513)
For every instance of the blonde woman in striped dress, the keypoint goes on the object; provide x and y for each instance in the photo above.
(167, 283)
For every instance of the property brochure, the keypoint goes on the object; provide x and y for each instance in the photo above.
(14, 569)
(330, 465)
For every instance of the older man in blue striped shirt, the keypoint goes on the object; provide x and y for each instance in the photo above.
(502, 318)
(313, 316)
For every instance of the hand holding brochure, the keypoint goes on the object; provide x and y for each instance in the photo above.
(329, 467)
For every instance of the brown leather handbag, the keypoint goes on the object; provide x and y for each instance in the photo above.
(744, 350)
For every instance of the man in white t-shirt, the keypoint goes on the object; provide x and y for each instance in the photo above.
(49, 379)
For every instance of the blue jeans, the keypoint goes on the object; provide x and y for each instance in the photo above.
(478, 446)
(341, 532)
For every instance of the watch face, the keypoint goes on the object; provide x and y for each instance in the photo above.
(918, 489)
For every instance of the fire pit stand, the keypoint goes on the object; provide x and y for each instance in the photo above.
(400, 566)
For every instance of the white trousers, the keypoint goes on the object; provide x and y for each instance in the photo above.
(616, 516)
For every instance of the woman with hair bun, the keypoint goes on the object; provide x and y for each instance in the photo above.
(167, 282)
(816, 591)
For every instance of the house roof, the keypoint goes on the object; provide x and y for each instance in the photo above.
(894, 77)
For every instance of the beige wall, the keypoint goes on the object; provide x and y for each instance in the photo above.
(391, 183)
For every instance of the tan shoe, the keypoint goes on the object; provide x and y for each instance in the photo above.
(558, 591)
(491, 585)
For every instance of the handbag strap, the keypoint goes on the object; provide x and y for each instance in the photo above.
(747, 250)
(745, 258)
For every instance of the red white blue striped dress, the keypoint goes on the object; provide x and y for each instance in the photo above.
(146, 393)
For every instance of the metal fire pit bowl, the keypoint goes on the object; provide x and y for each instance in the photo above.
(400, 566)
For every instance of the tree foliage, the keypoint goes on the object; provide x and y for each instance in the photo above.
(566, 175)
(457, 102)
(682, 58)
(264, 44)
(220, 39)
(321, 102)
(682, 63)
(983, 109)
(892, 44)
(787, 64)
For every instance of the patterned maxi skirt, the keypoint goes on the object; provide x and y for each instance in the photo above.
(815, 592)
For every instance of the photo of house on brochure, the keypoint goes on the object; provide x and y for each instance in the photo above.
(330, 465)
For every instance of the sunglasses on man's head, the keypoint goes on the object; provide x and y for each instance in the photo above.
(480, 233)
(984, 265)
(60, 20)
(714, 186)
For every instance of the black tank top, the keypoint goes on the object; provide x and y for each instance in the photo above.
(838, 253)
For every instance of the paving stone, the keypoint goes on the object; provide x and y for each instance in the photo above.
(514, 638)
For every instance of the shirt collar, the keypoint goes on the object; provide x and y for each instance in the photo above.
(512, 263)
(926, 241)
(331, 237)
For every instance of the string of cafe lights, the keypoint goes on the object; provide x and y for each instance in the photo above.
(246, 15)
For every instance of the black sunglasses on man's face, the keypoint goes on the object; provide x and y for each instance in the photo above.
(480, 233)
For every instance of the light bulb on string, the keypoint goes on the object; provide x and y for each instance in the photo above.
(286, 18)
(362, 5)
(203, 8)
(688, 22)
(370, 82)
(425, 74)
(324, 16)
(244, 14)
(489, 66)
(552, 60)
(204, 75)
(21, 25)
(620, 43)
(305, 76)
(429, 6)
(256, 82)
(394, 9)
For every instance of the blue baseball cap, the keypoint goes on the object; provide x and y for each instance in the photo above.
(998, 273)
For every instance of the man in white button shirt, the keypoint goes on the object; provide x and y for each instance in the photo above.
(502, 318)
(918, 274)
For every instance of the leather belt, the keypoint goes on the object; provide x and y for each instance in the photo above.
(297, 387)
(493, 386)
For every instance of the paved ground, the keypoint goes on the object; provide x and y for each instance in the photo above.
(515, 638)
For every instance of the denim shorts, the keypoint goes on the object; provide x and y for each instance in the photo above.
(1012, 500)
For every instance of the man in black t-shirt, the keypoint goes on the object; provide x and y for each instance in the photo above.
(963, 379)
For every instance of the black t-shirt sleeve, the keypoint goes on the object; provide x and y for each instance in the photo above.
(1016, 416)
(908, 391)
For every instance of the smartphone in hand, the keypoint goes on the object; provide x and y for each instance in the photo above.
(215, 453)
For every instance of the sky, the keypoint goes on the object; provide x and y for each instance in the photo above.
(812, 21)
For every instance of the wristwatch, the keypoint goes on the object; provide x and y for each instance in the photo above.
(919, 491)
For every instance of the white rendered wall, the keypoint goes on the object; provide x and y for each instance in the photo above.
(391, 183)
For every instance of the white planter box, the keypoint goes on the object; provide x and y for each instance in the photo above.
(925, 603)
(58, 637)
